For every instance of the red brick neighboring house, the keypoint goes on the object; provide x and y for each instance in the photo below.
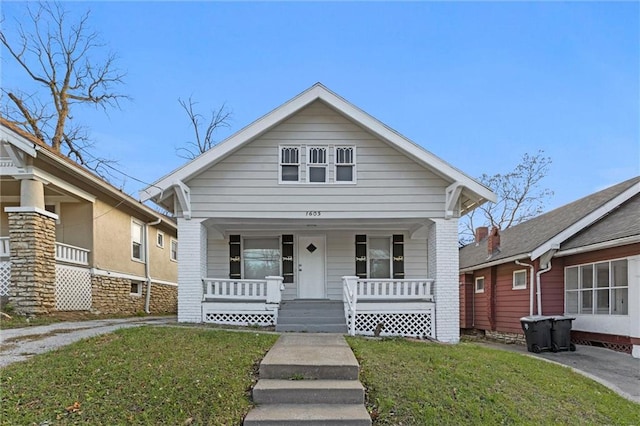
(581, 260)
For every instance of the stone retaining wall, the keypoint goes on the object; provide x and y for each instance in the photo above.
(516, 338)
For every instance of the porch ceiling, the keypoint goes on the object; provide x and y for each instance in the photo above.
(228, 225)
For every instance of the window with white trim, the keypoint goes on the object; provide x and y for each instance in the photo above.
(316, 164)
(345, 164)
(160, 239)
(136, 288)
(261, 257)
(379, 257)
(600, 288)
(480, 285)
(173, 254)
(137, 240)
(520, 279)
(289, 164)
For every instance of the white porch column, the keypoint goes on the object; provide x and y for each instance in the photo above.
(192, 267)
(442, 257)
(634, 304)
(32, 193)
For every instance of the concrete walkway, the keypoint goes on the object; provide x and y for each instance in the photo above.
(309, 379)
(618, 371)
(19, 344)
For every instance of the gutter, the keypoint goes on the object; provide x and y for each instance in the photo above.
(147, 272)
(545, 259)
(531, 277)
(495, 262)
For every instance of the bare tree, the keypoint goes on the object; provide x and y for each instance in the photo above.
(66, 60)
(519, 197)
(203, 136)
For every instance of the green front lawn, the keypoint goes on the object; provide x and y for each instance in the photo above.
(198, 376)
(146, 375)
(418, 383)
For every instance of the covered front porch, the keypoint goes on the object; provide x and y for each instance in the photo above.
(388, 275)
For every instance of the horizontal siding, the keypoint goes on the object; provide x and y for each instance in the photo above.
(247, 180)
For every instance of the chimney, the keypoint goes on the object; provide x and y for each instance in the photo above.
(481, 233)
(493, 243)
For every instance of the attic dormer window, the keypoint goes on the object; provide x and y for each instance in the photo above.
(345, 163)
(317, 164)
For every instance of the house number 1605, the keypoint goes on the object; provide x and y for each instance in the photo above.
(312, 213)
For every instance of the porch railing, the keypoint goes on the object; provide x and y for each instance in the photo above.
(72, 254)
(382, 290)
(267, 290)
(4, 247)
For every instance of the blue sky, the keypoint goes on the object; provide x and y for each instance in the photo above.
(476, 83)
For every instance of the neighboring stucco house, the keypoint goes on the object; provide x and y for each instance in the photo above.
(319, 200)
(69, 241)
(582, 260)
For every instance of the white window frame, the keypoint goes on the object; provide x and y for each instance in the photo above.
(519, 287)
(281, 149)
(160, 239)
(580, 291)
(319, 165)
(141, 242)
(139, 284)
(259, 237)
(172, 257)
(479, 290)
(379, 237)
(352, 164)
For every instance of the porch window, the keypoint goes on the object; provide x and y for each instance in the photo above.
(597, 288)
(261, 257)
(520, 279)
(379, 257)
(289, 164)
(316, 164)
(480, 285)
(137, 246)
(345, 164)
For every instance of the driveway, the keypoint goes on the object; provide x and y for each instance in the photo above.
(19, 344)
(618, 371)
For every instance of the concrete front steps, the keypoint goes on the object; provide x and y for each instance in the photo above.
(309, 379)
(312, 316)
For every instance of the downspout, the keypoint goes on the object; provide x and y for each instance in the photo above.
(540, 272)
(531, 277)
(147, 272)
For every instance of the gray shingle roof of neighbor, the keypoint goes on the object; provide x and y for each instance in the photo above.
(527, 236)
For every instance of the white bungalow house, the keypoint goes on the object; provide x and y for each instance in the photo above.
(319, 200)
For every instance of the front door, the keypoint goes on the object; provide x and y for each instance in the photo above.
(311, 267)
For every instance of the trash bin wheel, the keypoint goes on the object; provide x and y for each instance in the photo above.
(572, 347)
(554, 347)
(535, 349)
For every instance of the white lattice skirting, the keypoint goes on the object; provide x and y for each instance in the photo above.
(73, 288)
(5, 277)
(410, 324)
(241, 318)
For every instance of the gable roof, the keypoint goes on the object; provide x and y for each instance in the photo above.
(574, 223)
(12, 134)
(472, 192)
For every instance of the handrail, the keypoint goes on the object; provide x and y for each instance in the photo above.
(389, 289)
(268, 290)
(72, 254)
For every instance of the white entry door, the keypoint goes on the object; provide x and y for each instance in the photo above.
(311, 267)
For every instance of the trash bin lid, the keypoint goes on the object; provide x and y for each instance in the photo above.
(562, 317)
(535, 318)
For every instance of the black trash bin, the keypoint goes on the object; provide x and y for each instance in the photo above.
(537, 332)
(561, 334)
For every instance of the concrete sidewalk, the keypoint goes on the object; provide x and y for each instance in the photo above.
(19, 344)
(618, 371)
